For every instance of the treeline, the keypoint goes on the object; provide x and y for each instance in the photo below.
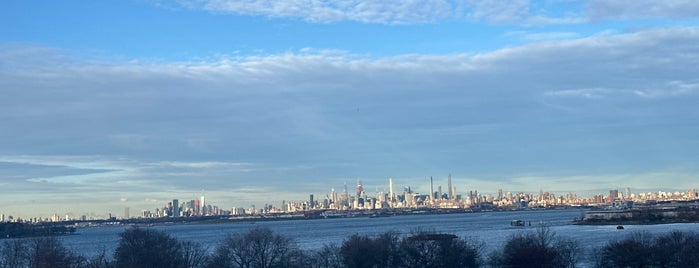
(262, 248)
(17, 230)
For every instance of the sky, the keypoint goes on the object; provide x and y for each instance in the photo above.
(132, 103)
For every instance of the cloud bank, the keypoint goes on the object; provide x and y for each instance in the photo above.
(310, 120)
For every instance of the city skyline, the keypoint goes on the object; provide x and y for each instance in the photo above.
(113, 104)
(348, 198)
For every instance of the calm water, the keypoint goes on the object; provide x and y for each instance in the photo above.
(493, 228)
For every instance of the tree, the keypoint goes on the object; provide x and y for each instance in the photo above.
(258, 248)
(148, 248)
(676, 249)
(327, 257)
(14, 254)
(634, 251)
(50, 253)
(38, 253)
(101, 260)
(540, 248)
(427, 249)
(364, 251)
(194, 254)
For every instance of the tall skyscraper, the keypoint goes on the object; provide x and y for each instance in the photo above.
(196, 206)
(431, 189)
(450, 195)
(360, 188)
(311, 202)
(345, 196)
(175, 208)
(391, 196)
(203, 206)
(333, 196)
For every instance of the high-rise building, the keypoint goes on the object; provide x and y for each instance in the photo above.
(196, 207)
(126, 213)
(628, 193)
(203, 206)
(333, 196)
(311, 202)
(450, 195)
(175, 208)
(431, 189)
(391, 196)
(613, 194)
(345, 196)
(360, 188)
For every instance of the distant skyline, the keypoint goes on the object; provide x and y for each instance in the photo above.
(131, 103)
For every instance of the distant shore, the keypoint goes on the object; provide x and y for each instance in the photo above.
(659, 214)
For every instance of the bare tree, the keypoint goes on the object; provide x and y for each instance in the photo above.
(258, 248)
(535, 249)
(430, 249)
(148, 248)
(365, 251)
(14, 254)
(48, 252)
(194, 254)
(327, 257)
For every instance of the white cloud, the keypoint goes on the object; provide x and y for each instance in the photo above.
(500, 11)
(386, 12)
(389, 12)
(590, 93)
(642, 9)
(513, 12)
(542, 36)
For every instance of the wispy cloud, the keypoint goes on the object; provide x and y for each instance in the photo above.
(388, 12)
(513, 12)
(542, 36)
(642, 9)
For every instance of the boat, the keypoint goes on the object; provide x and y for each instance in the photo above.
(517, 223)
(620, 227)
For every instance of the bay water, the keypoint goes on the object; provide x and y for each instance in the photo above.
(492, 228)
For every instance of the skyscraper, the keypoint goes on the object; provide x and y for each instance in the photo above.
(311, 202)
(203, 206)
(613, 194)
(175, 208)
(628, 193)
(360, 188)
(431, 189)
(450, 195)
(390, 190)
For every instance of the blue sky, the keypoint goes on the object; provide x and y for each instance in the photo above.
(113, 104)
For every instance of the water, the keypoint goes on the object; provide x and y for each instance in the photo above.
(493, 228)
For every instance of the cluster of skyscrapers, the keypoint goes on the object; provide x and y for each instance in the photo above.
(404, 198)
